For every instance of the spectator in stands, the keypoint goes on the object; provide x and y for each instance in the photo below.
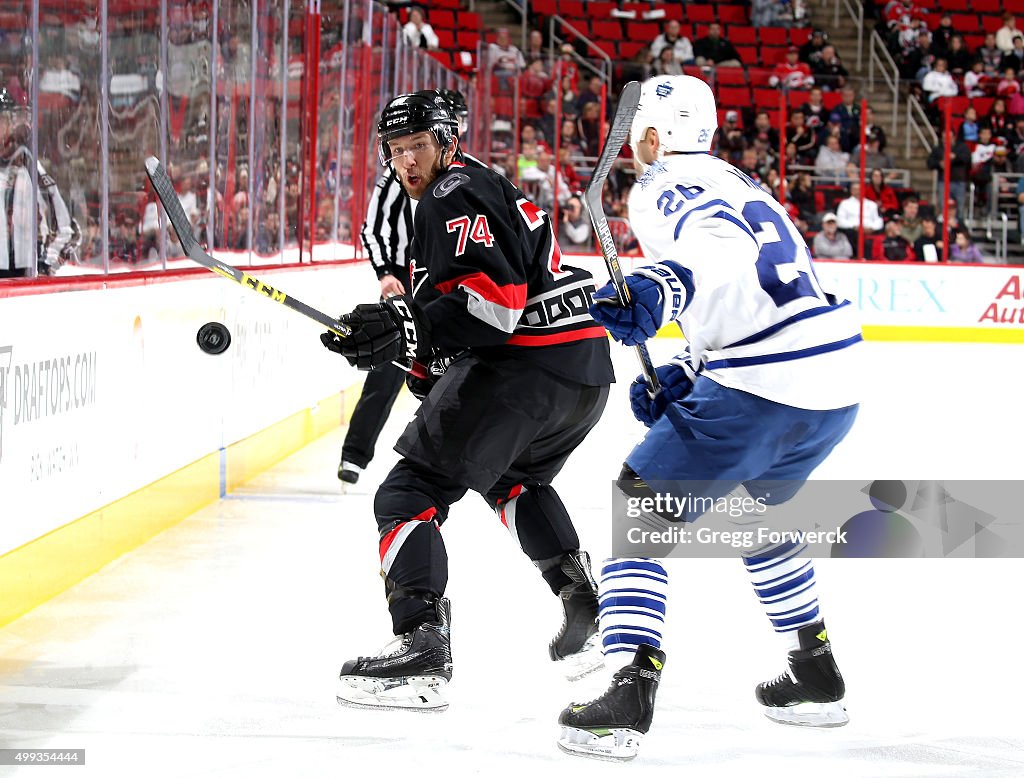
(713, 49)
(670, 38)
(870, 128)
(589, 128)
(928, 247)
(874, 157)
(848, 214)
(801, 194)
(637, 69)
(534, 83)
(849, 114)
(567, 63)
(574, 226)
(999, 168)
(505, 59)
(546, 123)
(893, 247)
(910, 224)
(998, 119)
(810, 52)
(528, 152)
(1014, 58)
(568, 172)
(770, 13)
(830, 243)
(881, 194)
(975, 80)
(418, 32)
(1006, 33)
(831, 161)
(763, 130)
(969, 127)
(748, 164)
(730, 139)
(958, 58)
(942, 36)
(571, 139)
(590, 93)
(989, 53)
(964, 250)
(982, 152)
(915, 60)
(835, 127)
(803, 137)
(792, 74)
(569, 95)
(535, 48)
(938, 82)
(829, 72)
(815, 112)
(959, 165)
(667, 65)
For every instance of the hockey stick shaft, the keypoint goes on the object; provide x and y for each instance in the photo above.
(183, 227)
(617, 133)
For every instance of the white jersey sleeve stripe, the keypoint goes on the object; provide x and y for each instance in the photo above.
(784, 356)
(767, 332)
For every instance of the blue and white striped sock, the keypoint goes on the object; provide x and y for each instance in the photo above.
(784, 583)
(632, 594)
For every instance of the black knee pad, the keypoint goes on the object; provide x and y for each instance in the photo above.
(414, 564)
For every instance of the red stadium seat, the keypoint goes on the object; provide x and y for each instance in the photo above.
(701, 13)
(733, 97)
(774, 36)
(467, 40)
(606, 30)
(965, 21)
(733, 14)
(452, 4)
(955, 6)
(798, 36)
(741, 36)
(991, 22)
(629, 49)
(766, 98)
(748, 54)
(643, 31)
(469, 21)
(759, 76)
(673, 11)
(445, 39)
(831, 99)
(573, 9)
(987, 6)
(601, 10)
(772, 55)
(442, 17)
(731, 76)
(982, 105)
(545, 7)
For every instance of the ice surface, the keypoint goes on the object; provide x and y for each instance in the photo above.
(212, 649)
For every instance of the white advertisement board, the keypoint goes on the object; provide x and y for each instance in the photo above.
(103, 391)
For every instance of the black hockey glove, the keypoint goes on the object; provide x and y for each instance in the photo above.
(389, 331)
(421, 378)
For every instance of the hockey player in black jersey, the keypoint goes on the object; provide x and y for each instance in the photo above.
(386, 235)
(527, 381)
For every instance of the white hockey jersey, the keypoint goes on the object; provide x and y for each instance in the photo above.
(756, 317)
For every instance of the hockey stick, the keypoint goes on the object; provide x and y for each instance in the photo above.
(183, 227)
(628, 102)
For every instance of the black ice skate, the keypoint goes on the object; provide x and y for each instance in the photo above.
(348, 473)
(412, 676)
(810, 692)
(577, 645)
(612, 726)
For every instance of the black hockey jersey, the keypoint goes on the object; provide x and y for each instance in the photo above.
(498, 282)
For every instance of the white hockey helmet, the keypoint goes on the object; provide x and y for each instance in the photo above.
(682, 110)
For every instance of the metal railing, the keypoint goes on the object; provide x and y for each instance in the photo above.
(918, 126)
(1003, 205)
(555, 41)
(856, 13)
(893, 176)
(880, 57)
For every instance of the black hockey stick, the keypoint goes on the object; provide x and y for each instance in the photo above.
(628, 102)
(181, 224)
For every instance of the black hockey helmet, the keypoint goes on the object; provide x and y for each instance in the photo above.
(423, 111)
(456, 102)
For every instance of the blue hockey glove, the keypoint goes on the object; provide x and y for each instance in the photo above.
(676, 383)
(658, 294)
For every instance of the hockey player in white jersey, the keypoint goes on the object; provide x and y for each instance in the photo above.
(765, 390)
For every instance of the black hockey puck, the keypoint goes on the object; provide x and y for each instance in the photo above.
(213, 338)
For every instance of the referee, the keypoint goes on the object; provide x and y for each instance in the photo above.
(386, 235)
